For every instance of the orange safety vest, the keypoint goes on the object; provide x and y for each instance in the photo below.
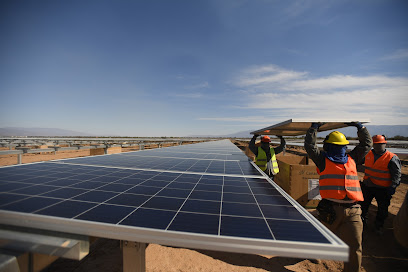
(340, 181)
(378, 171)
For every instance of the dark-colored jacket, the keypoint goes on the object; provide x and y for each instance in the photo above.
(277, 149)
(358, 153)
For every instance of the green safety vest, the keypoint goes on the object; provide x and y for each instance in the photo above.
(261, 160)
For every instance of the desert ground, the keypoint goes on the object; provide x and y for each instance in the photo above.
(380, 253)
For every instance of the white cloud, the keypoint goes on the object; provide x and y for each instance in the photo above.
(247, 119)
(201, 85)
(193, 95)
(264, 76)
(380, 98)
(400, 54)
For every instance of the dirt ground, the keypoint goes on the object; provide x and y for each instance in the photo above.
(380, 253)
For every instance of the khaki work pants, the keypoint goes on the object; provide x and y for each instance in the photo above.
(348, 226)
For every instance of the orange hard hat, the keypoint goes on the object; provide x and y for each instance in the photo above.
(266, 139)
(379, 139)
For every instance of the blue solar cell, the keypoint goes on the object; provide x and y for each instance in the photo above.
(245, 227)
(211, 188)
(272, 200)
(180, 185)
(60, 175)
(7, 187)
(8, 198)
(237, 189)
(179, 193)
(65, 193)
(197, 223)
(88, 185)
(67, 209)
(29, 205)
(164, 203)
(200, 206)
(149, 218)
(106, 179)
(83, 177)
(188, 178)
(296, 231)
(282, 212)
(212, 180)
(242, 198)
(95, 196)
(115, 187)
(38, 180)
(216, 196)
(240, 209)
(265, 191)
(35, 190)
(129, 200)
(155, 183)
(122, 174)
(144, 190)
(64, 182)
(130, 181)
(164, 178)
(106, 213)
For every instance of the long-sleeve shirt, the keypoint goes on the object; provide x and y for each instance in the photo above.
(394, 166)
(318, 156)
(277, 149)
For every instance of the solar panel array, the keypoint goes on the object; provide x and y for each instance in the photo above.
(207, 195)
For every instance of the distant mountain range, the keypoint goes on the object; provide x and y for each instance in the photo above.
(19, 131)
(389, 131)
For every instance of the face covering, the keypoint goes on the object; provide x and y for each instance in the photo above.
(336, 153)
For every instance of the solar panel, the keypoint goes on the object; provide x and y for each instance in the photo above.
(216, 204)
(296, 127)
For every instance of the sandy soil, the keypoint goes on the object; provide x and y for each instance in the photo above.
(380, 253)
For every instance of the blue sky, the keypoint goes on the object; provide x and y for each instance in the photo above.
(179, 68)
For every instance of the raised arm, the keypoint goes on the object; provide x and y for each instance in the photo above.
(365, 143)
(282, 145)
(252, 146)
(311, 146)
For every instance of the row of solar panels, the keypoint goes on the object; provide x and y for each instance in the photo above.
(207, 196)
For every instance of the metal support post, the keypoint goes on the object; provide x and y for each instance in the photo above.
(134, 256)
(19, 158)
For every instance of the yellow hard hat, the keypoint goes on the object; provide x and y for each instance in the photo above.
(336, 138)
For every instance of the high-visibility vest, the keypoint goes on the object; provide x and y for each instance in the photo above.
(340, 181)
(378, 171)
(261, 160)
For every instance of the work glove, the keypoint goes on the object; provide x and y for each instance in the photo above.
(358, 125)
(390, 191)
(317, 125)
(279, 136)
(255, 136)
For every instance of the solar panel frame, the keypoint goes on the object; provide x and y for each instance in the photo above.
(174, 235)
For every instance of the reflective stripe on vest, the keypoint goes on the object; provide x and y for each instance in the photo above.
(378, 171)
(261, 160)
(340, 181)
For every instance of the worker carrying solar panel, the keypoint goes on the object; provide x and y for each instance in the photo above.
(265, 155)
(339, 186)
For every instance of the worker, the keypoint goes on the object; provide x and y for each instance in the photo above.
(339, 186)
(382, 177)
(265, 155)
